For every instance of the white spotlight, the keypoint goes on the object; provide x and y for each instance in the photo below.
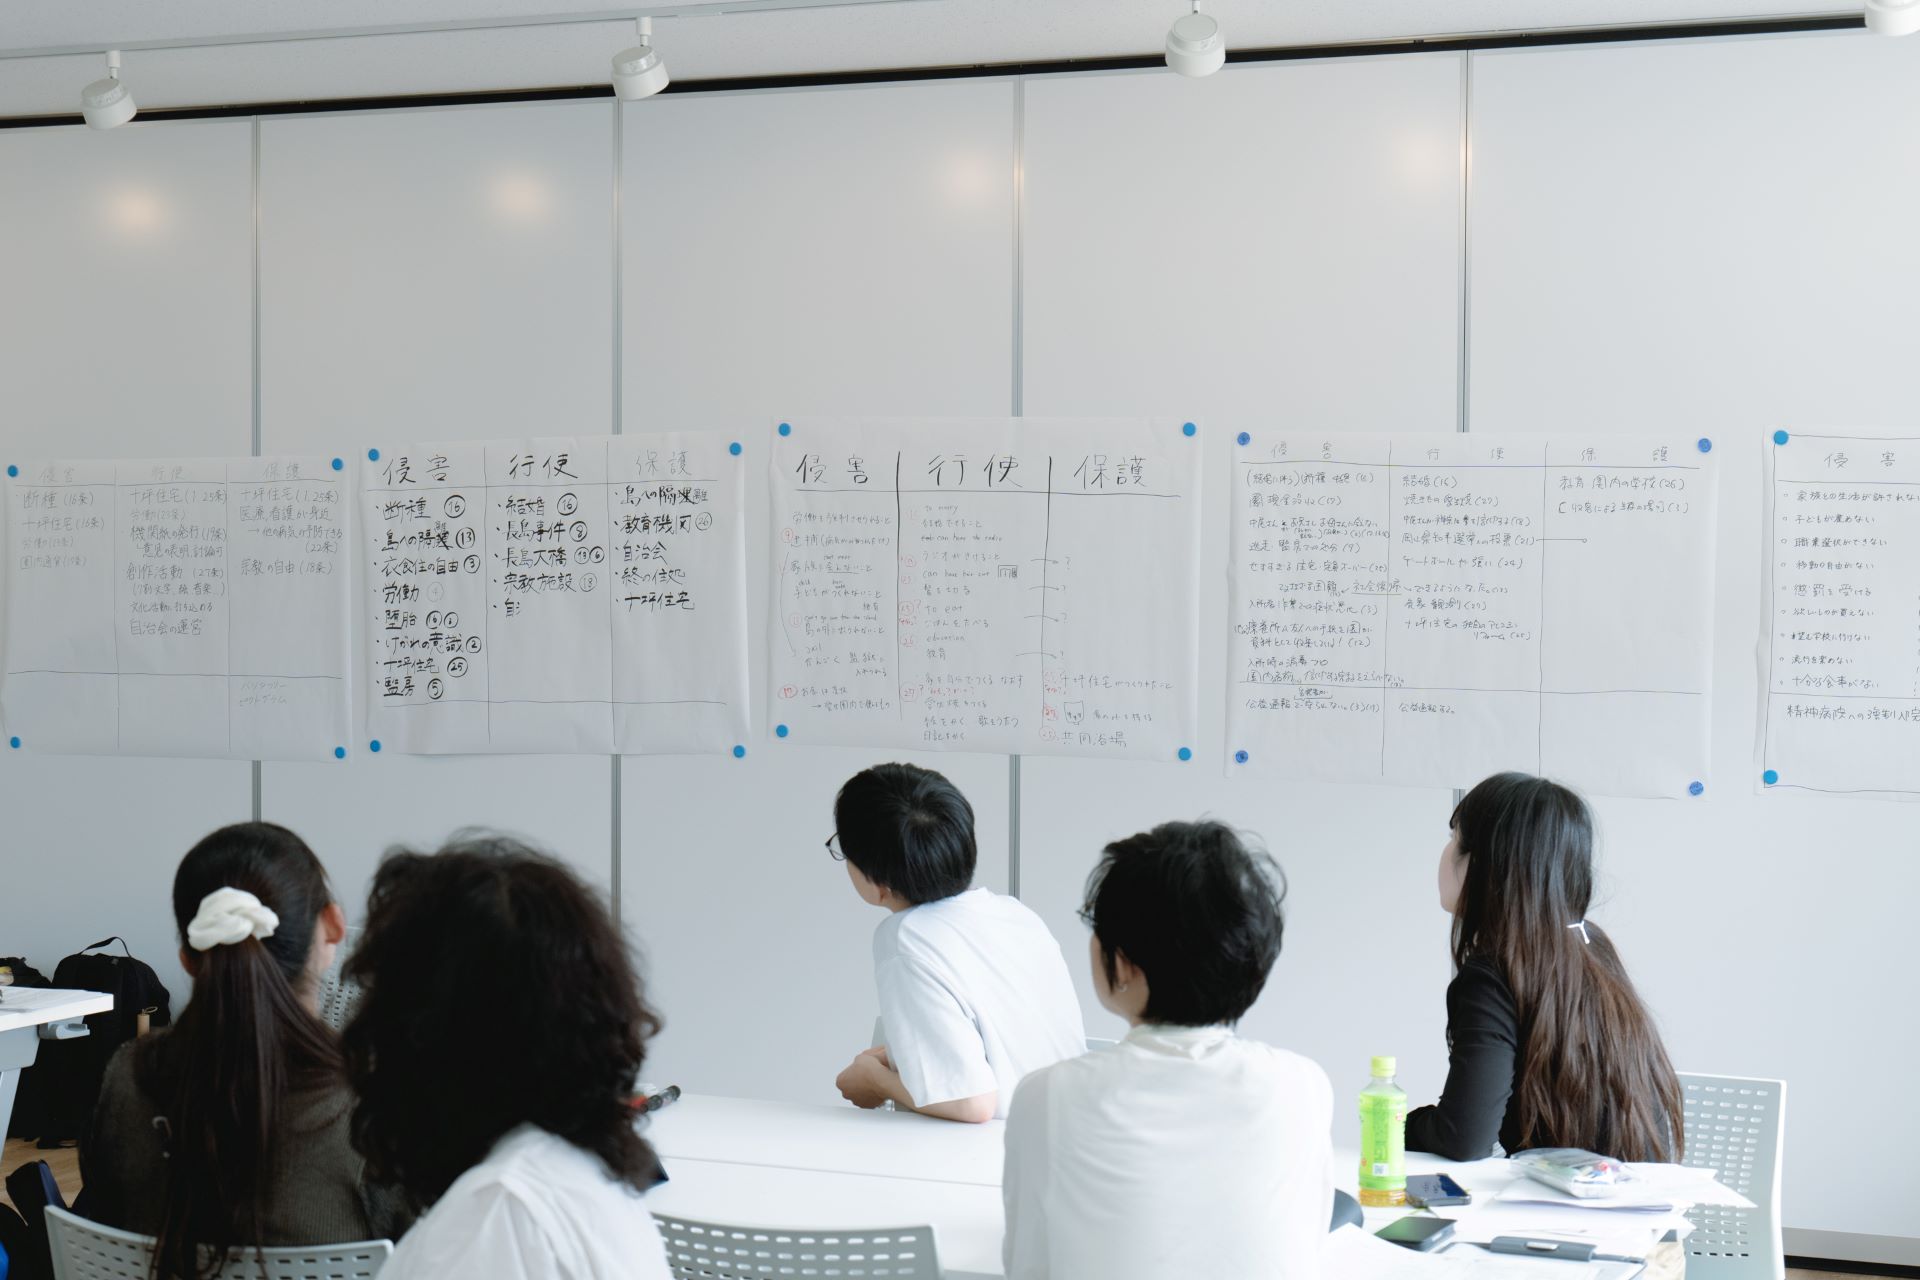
(1893, 17)
(106, 104)
(1195, 46)
(638, 72)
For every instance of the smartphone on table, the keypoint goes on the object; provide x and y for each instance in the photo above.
(1435, 1191)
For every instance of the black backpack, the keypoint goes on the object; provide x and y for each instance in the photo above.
(67, 1074)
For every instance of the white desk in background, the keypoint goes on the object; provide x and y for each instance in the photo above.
(799, 1165)
(23, 1012)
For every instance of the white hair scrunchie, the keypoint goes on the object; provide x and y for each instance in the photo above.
(228, 916)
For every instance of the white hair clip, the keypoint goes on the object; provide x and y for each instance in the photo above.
(1581, 925)
(228, 916)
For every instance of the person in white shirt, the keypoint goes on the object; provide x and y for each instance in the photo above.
(494, 1052)
(1183, 1150)
(974, 992)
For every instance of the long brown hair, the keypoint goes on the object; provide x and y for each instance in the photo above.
(1593, 1071)
(246, 1039)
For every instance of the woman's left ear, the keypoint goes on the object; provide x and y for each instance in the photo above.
(334, 920)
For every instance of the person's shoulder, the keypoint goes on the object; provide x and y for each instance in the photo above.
(1292, 1075)
(1481, 977)
(124, 1081)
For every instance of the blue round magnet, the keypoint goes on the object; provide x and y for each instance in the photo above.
(339, 753)
(12, 470)
(1244, 438)
(786, 428)
(1186, 753)
(1706, 445)
(779, 731)
(1780, 437)
(739, 752)
(14, 743)
(1770, 777)
(373, 455)
(734, 448)
(374, 745)
(1695, 788)
(1187, 428)
(339, 464)
(1239, 757)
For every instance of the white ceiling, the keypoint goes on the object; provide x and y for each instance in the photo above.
(919, 33)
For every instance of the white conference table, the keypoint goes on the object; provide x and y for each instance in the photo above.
(788, 1165)
(23, 1011)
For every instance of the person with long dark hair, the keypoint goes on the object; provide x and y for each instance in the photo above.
(1183, 1150)
(230, 1129)
(1550, 1044)
(495, 1049)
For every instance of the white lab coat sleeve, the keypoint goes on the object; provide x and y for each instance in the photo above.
(932, 1038)
(1023, 1182)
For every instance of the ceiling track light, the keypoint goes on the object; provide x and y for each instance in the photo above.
(638, 72)
(1893, 17)
(1195, 46)
(107, 104)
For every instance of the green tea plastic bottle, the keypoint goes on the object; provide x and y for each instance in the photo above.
(1383, 1139)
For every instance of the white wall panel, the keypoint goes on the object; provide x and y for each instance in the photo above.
(833, 252)
(437, 275)
(125, 331)
(1715, 237)
(1272, 248)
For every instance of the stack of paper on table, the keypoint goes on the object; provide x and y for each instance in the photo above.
(1645, 1211)
(1353, 1254)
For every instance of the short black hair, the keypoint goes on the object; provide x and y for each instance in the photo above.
(907, 829)
(498, 992)
(1197, 910)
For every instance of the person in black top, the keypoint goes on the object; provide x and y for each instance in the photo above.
(1550, 1046)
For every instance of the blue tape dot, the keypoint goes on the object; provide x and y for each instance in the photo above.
(1244, 438)
(14, 743)
(1706, 445)
(339, 753)
(734, 448)
(779, 731)
(12, 470)
(1770, 777)
(1239, 757)
(1695, 788)
(1780, 437)
(374, 745)
(373, 455)
(1187, 428)
(1186, 753)
(786, 428)
(739, 753)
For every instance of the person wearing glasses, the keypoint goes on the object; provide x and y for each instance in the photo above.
(974, 992)
(1183, 1149)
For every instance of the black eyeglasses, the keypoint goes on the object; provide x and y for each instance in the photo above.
(833, 847)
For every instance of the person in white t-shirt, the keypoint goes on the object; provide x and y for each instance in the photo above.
(494, 1052)
(974, 992)
(1183, 1150)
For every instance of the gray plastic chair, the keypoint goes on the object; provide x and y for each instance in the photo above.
(338, 997)
(717, 1251)
(84, 1250)
(1736, 1126)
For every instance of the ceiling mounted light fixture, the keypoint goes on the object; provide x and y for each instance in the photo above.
(1195, 46)
(107, 104)
(638, 72)
(1893, 17)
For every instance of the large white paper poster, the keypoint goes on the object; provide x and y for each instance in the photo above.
(178, 608)
(1840, 639)
(582, 595)
(1000, 585)
(1430, 609)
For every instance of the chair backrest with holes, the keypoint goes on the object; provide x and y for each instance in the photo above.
(84, 1250)
(338, 997)
(716, 1251)
(1736, 1126)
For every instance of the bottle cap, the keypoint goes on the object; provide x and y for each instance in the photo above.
(1384, 1066)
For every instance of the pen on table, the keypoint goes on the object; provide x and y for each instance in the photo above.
(646, 1102)
(1568, 1250)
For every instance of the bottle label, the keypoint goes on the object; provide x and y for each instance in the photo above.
(1383, 1136)
(1381, 1169)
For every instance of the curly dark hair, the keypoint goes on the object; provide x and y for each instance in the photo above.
(498, 992)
